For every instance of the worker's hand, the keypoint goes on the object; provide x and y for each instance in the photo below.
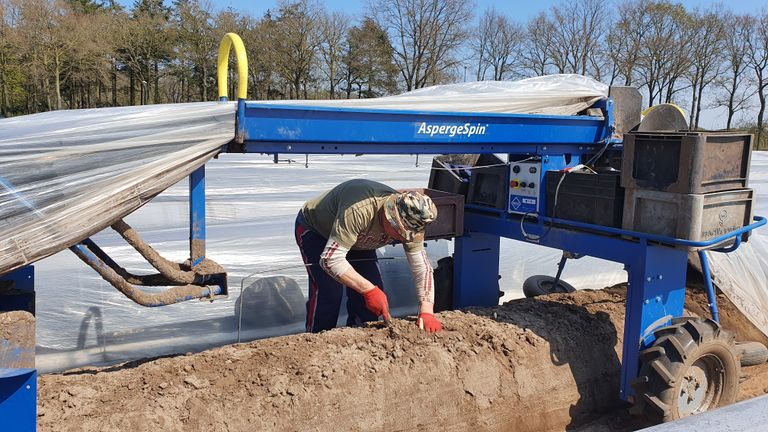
(428, 322)
(376, 302)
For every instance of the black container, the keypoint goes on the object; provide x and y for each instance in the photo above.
(596, 199)
(450, 173)
(686, 162)
(489, 183)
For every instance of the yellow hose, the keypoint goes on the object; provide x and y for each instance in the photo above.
(230, 40)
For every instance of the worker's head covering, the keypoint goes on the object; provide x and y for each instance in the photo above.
(409, 213)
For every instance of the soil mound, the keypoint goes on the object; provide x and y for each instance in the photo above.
(545, 364)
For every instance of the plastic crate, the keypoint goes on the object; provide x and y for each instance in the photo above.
(590, 198)
(686, 162)
(451, 172)
(696, 217)
(489, 183)
(450, 214)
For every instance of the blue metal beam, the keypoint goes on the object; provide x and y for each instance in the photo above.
(272, 128)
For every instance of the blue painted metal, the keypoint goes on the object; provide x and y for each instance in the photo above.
(240, 122)
(197, 216)
(276, 128)
(656, 272)
(18, 391)
(19, 293)
(711, 299)
(476, 268)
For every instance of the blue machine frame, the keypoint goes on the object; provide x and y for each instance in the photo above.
(656, 265)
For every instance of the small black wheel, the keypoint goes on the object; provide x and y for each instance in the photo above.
(692, 367)
(542, 285)
(751, 353)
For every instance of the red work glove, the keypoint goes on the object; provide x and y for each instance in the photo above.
(428, 322)
(376, 302)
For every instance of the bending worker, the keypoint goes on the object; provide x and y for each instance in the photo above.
(341, 229)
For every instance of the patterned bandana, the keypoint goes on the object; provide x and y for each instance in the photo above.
(409, 213)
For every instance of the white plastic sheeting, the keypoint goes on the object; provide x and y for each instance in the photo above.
(65, 175)
(252, 204)
(743, 274)
(565, 94)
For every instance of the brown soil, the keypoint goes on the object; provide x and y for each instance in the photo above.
(546, 364)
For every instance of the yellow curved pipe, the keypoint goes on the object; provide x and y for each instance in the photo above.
(232, 40)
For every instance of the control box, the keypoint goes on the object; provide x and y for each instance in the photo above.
(524, 186)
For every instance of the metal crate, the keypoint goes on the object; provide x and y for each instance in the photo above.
(696, 217)
(686, 162)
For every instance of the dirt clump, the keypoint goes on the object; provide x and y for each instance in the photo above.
(545, 364)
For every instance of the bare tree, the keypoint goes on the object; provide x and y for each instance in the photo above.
(706, 33)
(333, 45)
(10, 61)
(196, 41)
(579, 29)
(626, 38)
(757, 53)
(735, 86)
(295, 42)
(426, 35)
(497, 45)
(663, 55)
(539, 45)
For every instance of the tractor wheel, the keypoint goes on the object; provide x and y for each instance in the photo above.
(692, 367)
(543, 285)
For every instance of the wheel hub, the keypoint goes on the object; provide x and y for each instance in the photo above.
(697, 391)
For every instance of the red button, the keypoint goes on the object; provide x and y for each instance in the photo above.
(514, 184)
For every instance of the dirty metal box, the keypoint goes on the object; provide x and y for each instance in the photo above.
(450, 214)
(489, 183)
(596, 199)
(695, 217)
(451, 172)
(686, 162)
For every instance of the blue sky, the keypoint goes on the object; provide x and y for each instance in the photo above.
(519, 9)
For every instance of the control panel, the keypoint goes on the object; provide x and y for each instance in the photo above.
(524, 185)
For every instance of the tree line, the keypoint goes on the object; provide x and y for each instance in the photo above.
(60, 54)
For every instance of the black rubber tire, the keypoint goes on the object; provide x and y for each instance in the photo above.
(542, 285)
(673, 367)
(751, 353)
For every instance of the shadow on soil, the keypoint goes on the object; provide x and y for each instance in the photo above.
(584, 341)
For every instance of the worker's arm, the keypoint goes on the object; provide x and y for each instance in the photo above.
(333, 261)
(424, 279)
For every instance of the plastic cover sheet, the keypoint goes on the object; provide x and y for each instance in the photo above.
(251, 207)
(565, 94)
(65, 175)
(743, 274)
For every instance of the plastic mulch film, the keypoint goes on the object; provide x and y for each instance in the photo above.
(65, 175)
(742, 275)
(566, 94)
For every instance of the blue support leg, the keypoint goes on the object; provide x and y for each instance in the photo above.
(18, 393)
(711, 299)
(655, 295)
(476, 270)
(197, 216)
